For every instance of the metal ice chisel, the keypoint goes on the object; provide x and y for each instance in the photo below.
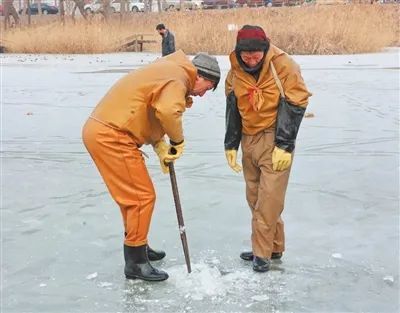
(182, 230)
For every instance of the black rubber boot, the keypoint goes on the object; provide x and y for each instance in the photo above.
(137, 265)
(155, 255)
(260, 264)
(276, 255)
(248, 256)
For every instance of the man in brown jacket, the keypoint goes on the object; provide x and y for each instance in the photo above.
(266, 100)
(141, 108)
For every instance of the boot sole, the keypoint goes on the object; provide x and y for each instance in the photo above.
(246, 258)
(145, 278)
(156, 259)
(260, 270)
(251, 259)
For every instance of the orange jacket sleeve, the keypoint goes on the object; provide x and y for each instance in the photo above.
(229, 83)
(169, 108)
(293, 83)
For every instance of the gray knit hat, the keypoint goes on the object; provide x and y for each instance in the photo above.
(207, 67)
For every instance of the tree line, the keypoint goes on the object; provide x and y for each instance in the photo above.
(11, 17)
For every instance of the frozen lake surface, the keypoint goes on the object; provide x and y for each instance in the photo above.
(62, 233)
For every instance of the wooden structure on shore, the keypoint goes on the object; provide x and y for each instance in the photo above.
(3, 47)
(135, 42)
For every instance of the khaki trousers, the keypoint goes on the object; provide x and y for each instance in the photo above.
(122, 167)
(265, 193)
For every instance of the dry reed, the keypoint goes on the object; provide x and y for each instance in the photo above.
(297, 30)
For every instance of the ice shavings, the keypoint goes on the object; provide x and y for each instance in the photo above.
(203, 281)
(214, 260)
(207, 280)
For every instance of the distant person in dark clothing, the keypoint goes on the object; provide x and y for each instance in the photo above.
(168, 40)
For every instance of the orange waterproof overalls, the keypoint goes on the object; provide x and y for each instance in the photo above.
(139, 109)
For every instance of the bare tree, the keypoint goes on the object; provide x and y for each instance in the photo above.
(39, 2)
(106, 9)
(79, 4)
(9, 10)
(24, 7)
(28, 6)
(146, 5)
(123, 9)
(62, 12)
(159, 6)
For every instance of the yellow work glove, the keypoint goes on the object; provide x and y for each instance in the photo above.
(176, 150)
(162, 148)
(281, 159)
(231, 156)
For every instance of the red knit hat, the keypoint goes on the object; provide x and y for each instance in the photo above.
(252, 38)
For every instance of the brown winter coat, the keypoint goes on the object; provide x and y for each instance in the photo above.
(258, 100)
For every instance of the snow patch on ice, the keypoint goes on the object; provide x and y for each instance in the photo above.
(388, 279)
(104, 284)
(42, 285)
(337, 256)
(92, 276)
(260, 297)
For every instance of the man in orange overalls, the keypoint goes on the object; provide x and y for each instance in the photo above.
(141, 108)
